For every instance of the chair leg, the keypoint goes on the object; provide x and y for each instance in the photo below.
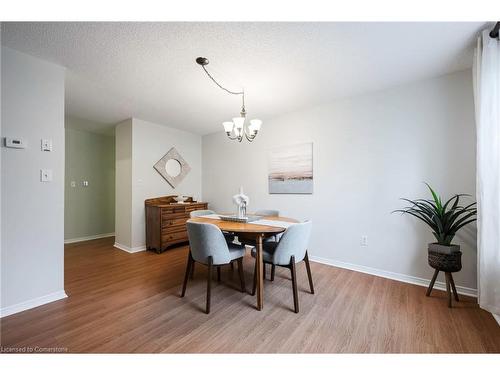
(192, 270)
(209, 283)
(309, 274)
(242, 276)
(218, 273)
(448, 292)
(452, 282)
(294, 285)
(186, 276)
(254, 288)
(273, 270)
(431, 285)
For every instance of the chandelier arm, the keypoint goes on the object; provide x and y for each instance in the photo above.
(250, 137)
(232, 138)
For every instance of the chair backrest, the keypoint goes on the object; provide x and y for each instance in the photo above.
(207, 240)
(294, 241)
(197, 213)
(267, 213)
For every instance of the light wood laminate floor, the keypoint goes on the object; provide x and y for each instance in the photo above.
(120, 302)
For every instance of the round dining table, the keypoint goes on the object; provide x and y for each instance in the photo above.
(256, 232)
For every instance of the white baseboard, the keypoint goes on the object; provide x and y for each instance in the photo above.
(88, 238)
(392, 275)
(32, 303)
(130, 249)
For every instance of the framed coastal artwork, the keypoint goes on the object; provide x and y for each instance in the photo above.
(291, 169)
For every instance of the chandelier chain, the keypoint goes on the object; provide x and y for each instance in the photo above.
(222, 87)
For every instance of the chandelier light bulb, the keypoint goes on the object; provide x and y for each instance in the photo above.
(238, 122)
(255, 125)
(228, 126)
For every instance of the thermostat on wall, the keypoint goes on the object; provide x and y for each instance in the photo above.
(15, 143)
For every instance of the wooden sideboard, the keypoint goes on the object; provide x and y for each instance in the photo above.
(166, 221)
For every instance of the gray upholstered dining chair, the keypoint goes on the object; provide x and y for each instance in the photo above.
(209, 247)
(228, 236)
(287, 252)
(197, 213)
(276, 237)
(250, 241)
(267, 213)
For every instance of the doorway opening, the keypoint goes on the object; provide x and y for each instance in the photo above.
(89, 194)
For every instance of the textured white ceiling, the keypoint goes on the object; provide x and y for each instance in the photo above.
(147, 70)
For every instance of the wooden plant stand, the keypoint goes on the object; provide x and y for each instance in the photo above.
(447, 263)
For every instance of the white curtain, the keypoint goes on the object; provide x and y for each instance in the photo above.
(486, 73)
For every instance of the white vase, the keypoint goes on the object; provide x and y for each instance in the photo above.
(242, 211)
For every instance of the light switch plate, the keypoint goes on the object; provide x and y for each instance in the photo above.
(45, 175)
(15, 143)
(364, 240)
(46, 144)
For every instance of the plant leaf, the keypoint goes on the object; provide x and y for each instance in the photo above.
(437, 199)
(458, 223)
(425, 220)
(464, 224)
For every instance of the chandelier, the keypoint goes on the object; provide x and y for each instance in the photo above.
(238, 128)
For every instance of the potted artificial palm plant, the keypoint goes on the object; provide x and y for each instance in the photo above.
(443, 219)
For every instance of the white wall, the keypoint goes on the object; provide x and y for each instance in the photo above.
(1, 140)
(369, 151)
(123, 183)
(32, 217)
(149, 142)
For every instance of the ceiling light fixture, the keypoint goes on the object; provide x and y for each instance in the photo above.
(236, 129)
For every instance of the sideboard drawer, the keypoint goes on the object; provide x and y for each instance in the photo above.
(165, 216)
(172, 229)
(171, 222)
(195, 207)
(173, 237)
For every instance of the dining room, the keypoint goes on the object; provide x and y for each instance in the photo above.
(326, 196)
